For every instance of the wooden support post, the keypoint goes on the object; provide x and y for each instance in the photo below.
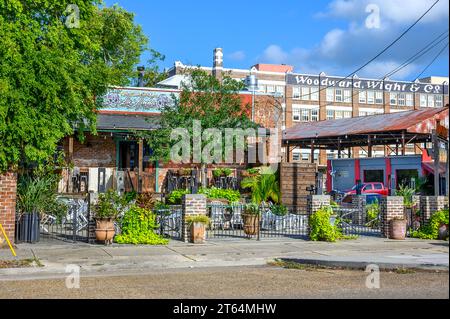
(70, 149)
(436, 158)
(349, 152)
(369, 146)
(396, 149)
(140, 164)
(312, 152)
(339, 148)
(403, 143)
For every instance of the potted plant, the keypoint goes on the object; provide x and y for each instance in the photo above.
(250, 218)
(397, 228)
(226, 172)
(105, 213)
(217, 172)
(184, 171)
(250, 172)
(198, 228)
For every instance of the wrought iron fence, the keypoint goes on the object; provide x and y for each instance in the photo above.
(73, 226)
(227, 222)
(356, 221)
(169, 222)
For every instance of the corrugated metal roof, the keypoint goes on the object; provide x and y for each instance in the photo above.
(415, 121)
(126, 122)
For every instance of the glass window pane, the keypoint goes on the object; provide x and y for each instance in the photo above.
(330, 95)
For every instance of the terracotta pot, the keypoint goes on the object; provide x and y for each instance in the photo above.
(104, 230)
(251, 224)
(198, 233)
(397, 229)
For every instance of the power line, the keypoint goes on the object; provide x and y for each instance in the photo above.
(432, 61)
(380, 53)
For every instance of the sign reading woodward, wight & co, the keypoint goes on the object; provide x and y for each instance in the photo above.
(366, 84)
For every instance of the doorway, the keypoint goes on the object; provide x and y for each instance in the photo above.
(128, 155)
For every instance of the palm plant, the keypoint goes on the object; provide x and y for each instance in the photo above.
(407, 193)
(264, 188)
(35, 194)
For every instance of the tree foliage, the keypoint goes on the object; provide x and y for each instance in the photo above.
(216, 104)
(50, 73)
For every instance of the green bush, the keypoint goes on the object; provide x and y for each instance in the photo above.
(137, 227)
(198, 219)
(109, 205)
(431, 229)
(373, 212)
(321, 227)
(219, 193)
(176, 196)
(252, 209)
(407, 193)
(279, 210)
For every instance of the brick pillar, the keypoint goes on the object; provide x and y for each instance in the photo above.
(391, 207)
(429, 205)
(359, 203)
(315, 202)
(8, 193)
(192, 205)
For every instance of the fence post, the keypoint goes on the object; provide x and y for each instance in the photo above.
(92, 200)
(391, 207)
(431, 204)
(359, 204)
(192, 205)
(314, 203)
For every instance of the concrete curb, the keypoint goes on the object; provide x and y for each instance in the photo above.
(361, 265)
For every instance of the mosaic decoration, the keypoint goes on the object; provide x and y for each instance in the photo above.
(129, 100)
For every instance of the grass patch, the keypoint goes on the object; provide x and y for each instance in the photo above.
(20, 263)
(404, 271)
(288, 264)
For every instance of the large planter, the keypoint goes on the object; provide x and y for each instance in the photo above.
(443, 231)
(251, 224)
(198, 233)
(28, 228)
(397, 229)
(104, 230)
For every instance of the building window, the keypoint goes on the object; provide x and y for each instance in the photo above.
(438, 100)
(305, 93)
(370, 97)
(409, 99)
(430, 100)
(315, 93)
(295, 156)
(296, 92)
(393, 98)
(379, 97)
(338, 114)
(423, 100)
(338, 95)
(304, 115)
(348, 96)
(401, 99)
(305, 156)
(374, 175)
(330, 95)
(270, 89)
(347, 114)
(262, 88)
(362, 113)
(280, 89)
(362, 97)
(330, 114)
(296, 114)
(314, 115)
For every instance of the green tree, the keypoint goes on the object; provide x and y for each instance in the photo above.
(56, 57)
(216, 104)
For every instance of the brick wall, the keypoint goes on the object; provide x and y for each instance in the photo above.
(192, 205)
(391, 207)
(8, 189)
(294, 179)
(96, 151)
(430, 204)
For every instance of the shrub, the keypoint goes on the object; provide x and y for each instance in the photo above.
(145, 200)
(321, 228)
(176, 196)
(137, 227)
(252, 209)
(407, 194)
(219, 193)
(373, 212)
(198, 219)
(431, 229)
(264, 187)
(109, 205)
(279, 210)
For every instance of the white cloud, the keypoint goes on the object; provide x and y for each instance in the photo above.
(342, 50)
(236, 56)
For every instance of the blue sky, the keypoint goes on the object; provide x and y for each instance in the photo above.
(330, 36)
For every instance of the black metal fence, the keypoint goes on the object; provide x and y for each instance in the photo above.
(169, 222)
(73, 226)
(357, 221)
(227, 223)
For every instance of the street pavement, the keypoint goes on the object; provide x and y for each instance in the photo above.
(99, 260)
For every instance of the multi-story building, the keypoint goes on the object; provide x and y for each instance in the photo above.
(322, 97)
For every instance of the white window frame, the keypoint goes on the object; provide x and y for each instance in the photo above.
(296, 155)
(330, 112)
(338, 114)
(279, 89)
(370, 97)
(378, 97)
(438, 100)
(270, 88)
(347, 114)
(314, 115)
(423, 100)
(296, 92)
(339, 97)
(430, 100)
(402, 99)
(409, 99)
(304, 93)
(296, 114)
(330, 95)
(347, 96)
(314, 93)
(305, 115)
(362, 97)
(393, 98)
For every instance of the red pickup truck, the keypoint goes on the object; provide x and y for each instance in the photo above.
(373, 187)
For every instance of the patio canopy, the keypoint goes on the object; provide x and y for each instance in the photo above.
(403, 128)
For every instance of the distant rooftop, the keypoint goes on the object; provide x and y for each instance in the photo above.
(282, 68)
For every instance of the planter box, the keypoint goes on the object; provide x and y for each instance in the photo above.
(198, 233)
(28, 228)
(397, 229)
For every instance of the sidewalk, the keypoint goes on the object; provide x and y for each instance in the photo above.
(121, 259)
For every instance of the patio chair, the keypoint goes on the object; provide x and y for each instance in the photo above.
(217, 215)
(236, 217)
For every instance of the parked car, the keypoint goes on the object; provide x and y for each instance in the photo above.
(370, 198)
(372, 188)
